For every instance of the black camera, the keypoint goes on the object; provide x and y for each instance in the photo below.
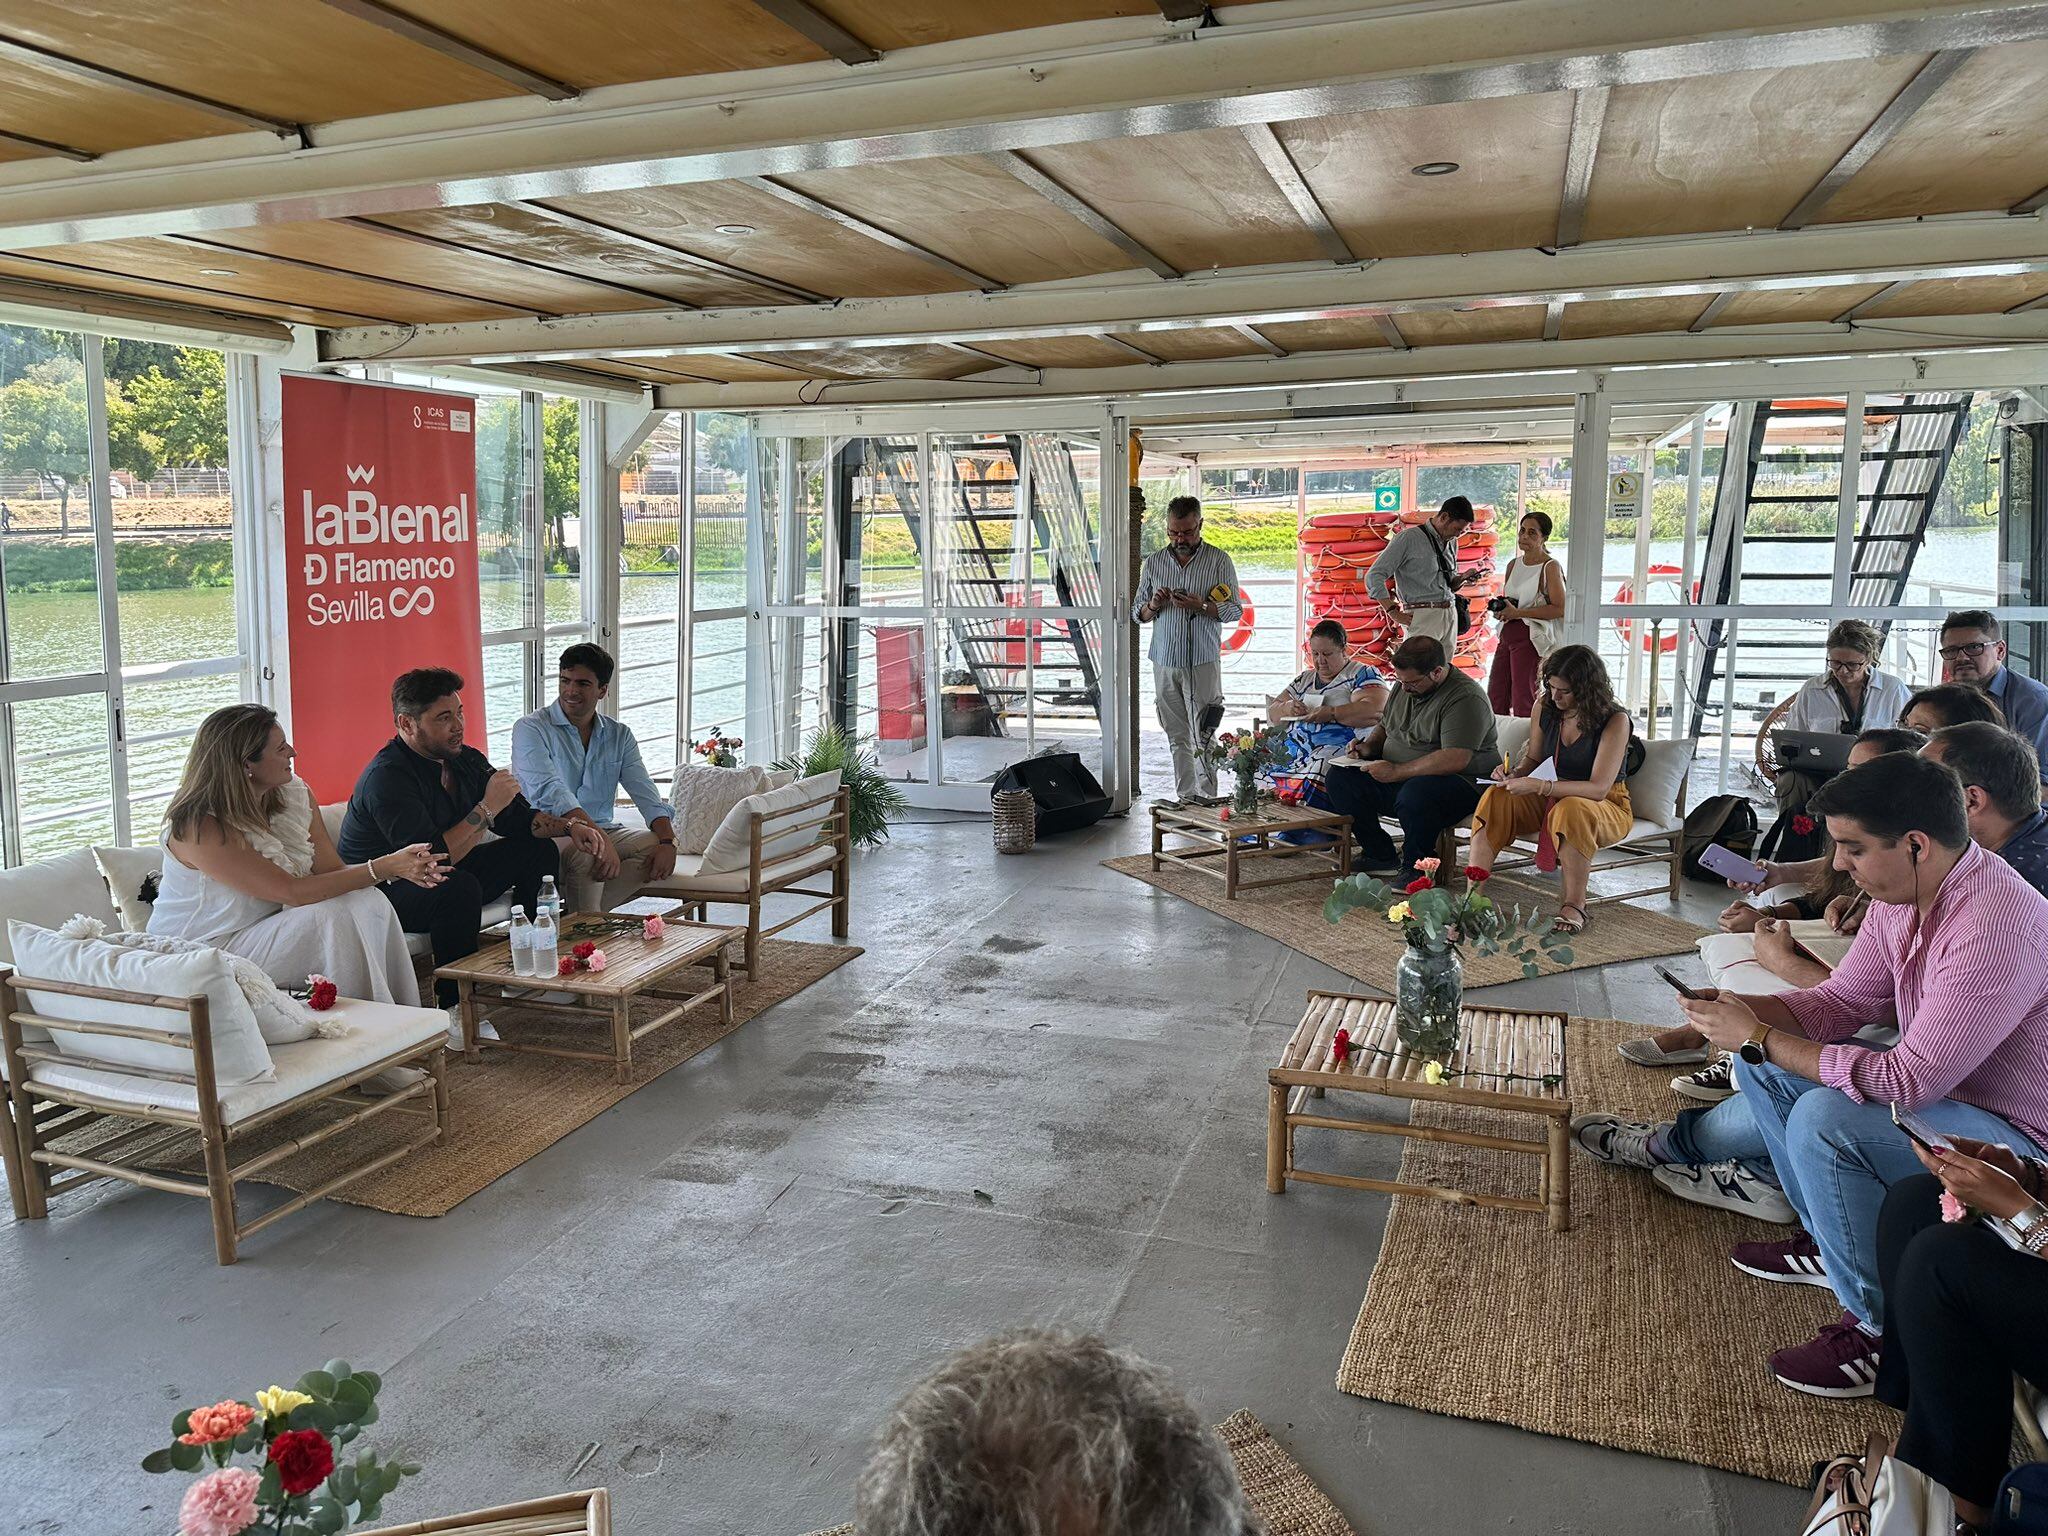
(1496, 605)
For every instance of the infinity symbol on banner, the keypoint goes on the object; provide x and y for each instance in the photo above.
(405, 600)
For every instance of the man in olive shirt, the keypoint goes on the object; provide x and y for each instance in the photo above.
(1421, 762)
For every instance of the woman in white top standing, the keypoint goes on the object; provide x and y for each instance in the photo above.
(1850, 697)
(249, 868)
(1530, 610)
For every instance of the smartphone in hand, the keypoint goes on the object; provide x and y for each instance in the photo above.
(1678, 986)
(1732, 866)
(1923, 1134)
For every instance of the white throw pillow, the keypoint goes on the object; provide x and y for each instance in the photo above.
(702, 795)
(239, 1054)
(132, 874)
(730, 845)
(1653, 791)
(280, 1017)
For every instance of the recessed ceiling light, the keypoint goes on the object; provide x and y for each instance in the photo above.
(1433, 168)
(733, 229)
(215, 272)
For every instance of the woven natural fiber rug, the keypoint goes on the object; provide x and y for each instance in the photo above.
(510, 1106)
(1367, 948)
(1277, 1488)
(1632, 1330)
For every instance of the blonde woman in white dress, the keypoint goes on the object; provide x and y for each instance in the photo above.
(249, 868)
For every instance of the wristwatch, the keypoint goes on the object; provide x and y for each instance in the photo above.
(1752, 1050)
(2032, 1227)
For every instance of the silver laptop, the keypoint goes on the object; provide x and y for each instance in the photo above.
(1825, 752)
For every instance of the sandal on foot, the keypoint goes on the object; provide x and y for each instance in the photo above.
(1563, 924)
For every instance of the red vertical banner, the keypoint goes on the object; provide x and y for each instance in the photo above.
(380, 562)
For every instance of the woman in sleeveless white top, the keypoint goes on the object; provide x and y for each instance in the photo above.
(249, 868)
(1530, 625)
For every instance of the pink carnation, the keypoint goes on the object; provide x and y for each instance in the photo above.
(595, 961)
(653, 928)
(220, 1503)
(1953, 1209)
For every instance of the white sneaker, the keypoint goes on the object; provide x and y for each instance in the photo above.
(484, 1029)
(1611, 1139)
(1726, 1187)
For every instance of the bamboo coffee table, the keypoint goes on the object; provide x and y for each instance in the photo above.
(634, 967)
(1500, 1063)
(1221, 848)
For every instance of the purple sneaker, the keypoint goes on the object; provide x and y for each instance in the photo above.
(1841, 1361)
(1794, 1261)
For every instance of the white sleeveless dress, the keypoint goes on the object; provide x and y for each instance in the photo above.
(353, 940)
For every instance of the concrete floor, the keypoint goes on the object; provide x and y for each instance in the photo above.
(724, 1281)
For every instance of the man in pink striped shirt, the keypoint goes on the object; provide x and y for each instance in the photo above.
(1952, 953)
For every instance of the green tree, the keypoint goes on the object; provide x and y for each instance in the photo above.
(43, 429)
(722, 438)
(560, 465)
(185, 409)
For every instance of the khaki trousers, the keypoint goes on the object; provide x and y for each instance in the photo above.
(1438, 624)
(581, 888)
(1180, 695)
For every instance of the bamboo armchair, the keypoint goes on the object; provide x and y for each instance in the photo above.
(588, 1513)
(38, 1112)
(829, 855)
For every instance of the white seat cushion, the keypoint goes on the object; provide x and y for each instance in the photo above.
(375, 1031)
(1653, 790)
(1511, 732)
(1731, 963)
(691, 878)
(239, 1054)
(729, 848)
(50, 891)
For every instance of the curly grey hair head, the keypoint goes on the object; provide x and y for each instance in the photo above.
(1049, 1434)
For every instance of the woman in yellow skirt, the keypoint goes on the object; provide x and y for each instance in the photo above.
(1580, 803)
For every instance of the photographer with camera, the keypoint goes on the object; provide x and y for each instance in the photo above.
(1530, 612)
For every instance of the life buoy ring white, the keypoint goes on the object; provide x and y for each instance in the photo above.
(1241, 636)
(1626, 628)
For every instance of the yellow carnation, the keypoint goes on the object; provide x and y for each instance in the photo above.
(1398, 912)
(277, 1402)
(1433, 1072)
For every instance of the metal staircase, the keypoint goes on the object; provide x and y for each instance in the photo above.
(1899, 480)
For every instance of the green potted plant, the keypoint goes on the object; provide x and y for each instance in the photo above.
(872, 798)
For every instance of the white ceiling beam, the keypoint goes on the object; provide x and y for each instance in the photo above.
(51, 306)
(1712, 312)
(1589, 115)
(1912, 96)
(1708, 366)
(1834, 255)
(1117, 78)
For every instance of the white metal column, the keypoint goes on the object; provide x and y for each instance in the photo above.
(1113, 495)
(108, 580)
(1591, 418)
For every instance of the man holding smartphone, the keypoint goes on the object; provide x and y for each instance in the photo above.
(1950, 953)
(1187, 592)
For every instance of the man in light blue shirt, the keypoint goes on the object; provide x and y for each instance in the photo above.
(572, 762)
(1973, 651)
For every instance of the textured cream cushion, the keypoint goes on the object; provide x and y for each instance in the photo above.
(702, 795)
(1512, 732)
(374, 1031)
(1653, 792)
(692, 879)
(239, 1055)
(1731, 963)
(51, 890)
(126, 870)
(730, 845)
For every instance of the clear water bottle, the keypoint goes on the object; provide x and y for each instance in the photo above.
(546, 944)
(522, 944)
(550, 900)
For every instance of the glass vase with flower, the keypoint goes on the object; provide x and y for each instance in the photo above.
(1243, 754)
(1429, 978)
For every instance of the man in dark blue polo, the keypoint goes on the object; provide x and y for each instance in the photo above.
(2001, 792)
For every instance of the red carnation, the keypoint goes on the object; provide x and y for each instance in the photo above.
(303, 1458)
(1475, 874)
(1419, 883)
(324, 994)
(1341, 1046)
(1803, 825)
(584, 950)
(566, 968)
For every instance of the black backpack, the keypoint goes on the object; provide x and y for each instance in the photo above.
(1728, 820)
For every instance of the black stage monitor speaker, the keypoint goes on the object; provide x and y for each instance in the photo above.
(1067, 794)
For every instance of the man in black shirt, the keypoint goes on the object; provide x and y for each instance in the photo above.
(425, 786)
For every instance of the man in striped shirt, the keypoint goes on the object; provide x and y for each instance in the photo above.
(1951, 953)
(1188, 591)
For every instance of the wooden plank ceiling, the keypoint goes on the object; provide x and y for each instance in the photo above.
(1704, 155)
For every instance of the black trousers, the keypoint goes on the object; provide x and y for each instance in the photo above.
(1426, 808)
(1963, 1312)
(452, 913)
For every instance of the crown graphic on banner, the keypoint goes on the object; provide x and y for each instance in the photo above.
(360, 474)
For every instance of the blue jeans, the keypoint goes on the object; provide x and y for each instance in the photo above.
(1835, 1159)
(1723, 1132)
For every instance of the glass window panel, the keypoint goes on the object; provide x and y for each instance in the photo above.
(650, 505)
(562, 542)
(46, 528)
(63, 775)
(502, 557)
(718, 678)
(719, 526)
(160, 720)
(505, 669)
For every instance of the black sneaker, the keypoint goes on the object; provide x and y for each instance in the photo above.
(1711, 1084)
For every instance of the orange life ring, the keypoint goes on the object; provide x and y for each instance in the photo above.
(1241, 636)
(1625, 593)
(1341, 519)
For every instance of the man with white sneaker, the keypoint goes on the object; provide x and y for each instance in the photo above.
(1951, 953)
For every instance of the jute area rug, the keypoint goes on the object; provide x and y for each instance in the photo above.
(1283, 1495)
(511, 1106)
(1632, 1330)
(1367, 947)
